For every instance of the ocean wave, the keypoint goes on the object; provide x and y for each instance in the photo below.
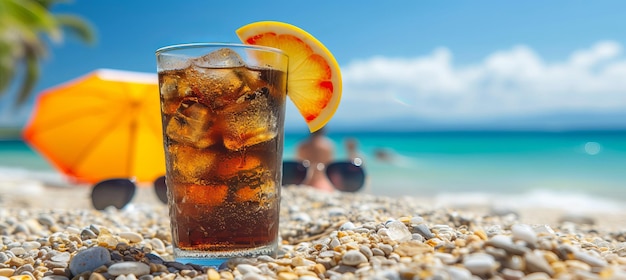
(16, 177)
(572, 201)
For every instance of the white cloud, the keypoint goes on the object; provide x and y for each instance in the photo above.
(513, 82)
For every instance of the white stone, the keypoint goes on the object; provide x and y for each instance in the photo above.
(524, 232)
(353, 258)
(480, 263)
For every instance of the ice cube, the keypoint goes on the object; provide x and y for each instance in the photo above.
(217, 87)
(265, 190)
(249, 173)
(236, 164)
(173, 88)
(250, 120)
(222, 58)
(192, 125)
(206, 195)
(190, 164)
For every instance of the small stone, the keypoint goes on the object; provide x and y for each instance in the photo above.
(535, 262)
(287, 276)
(590, 259)
(412, 248)
(511, 274)
(246, 268)
(31, 245)
(7, 272)
(524, 232)
(157, 245)
(505, 243)
(87, 234)
(386, 248)
(18, 251)
(347, 226)
(459, 273)
(367, 251)
(301, 217)
(61, 257)
(136, 268)
(353, 258)
(89, 259)
(212, 274)
(378, 252)
(423, 230)
(46, 220)
(256, 276)
(480, 263)
(17, 262)
(300, 261)
(133, 237)
(397, 231)
(97, 276)
(55, 277)
(3, 257)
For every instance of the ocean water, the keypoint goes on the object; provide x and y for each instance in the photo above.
(544, 166)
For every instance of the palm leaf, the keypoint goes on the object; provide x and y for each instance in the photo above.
(77, 26)
(31, 75)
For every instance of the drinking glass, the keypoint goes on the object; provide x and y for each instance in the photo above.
(222, 108)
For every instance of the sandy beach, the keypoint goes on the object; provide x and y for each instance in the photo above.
(47, 230)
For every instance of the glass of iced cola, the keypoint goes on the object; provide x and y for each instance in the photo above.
(223, 108)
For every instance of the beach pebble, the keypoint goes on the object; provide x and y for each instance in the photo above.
(353, 258)
(480, 263)
(61, 257)
(397, 231)
(590, 259)
(459, 273)
(423, 230)
(347, 226)
(246, 268)
(535, 262)
(56, 277)
(7, 272)
(524, 232)
(89, 259)
(302, 217)
(127, 268)
(506, 243)
(512, 274)
(131, 236)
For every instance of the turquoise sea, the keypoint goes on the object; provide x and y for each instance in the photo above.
(547, 165)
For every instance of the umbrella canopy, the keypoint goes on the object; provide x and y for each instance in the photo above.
(106, 124)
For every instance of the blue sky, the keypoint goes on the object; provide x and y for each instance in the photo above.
(418, 64)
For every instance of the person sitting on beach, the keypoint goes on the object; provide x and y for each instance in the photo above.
(319, 150)
(352, 149)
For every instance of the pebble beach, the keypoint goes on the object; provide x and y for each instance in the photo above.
(51, 232)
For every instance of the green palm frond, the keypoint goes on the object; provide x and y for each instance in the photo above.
(23, 26)
(77, 26)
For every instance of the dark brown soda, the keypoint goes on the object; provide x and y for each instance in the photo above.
(223, 194)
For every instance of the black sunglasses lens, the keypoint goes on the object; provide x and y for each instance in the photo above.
(293, 173)
(161, 189)
(346, 176)
(113, 192)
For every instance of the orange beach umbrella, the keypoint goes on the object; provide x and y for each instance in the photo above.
(105, 124)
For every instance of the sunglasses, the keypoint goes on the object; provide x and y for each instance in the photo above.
(346, 176)
(119, 192)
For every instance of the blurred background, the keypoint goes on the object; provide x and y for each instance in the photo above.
(490, 98)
